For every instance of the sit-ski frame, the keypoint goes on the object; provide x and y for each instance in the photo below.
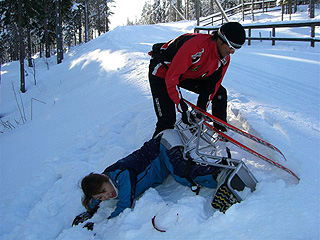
(200, 143)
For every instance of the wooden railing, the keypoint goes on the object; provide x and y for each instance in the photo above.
(244, 8)
(312, 24)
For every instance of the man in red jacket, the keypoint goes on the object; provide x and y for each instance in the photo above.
(196, 62)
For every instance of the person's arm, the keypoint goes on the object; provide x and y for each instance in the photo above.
(124, 193)
(179, 65)
(138, 160)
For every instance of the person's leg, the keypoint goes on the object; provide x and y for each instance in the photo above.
(163, 105)
(188, 173)
(201, 87)
(219, 106)
(204, 87)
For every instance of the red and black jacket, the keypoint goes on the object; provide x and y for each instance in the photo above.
(190, 56)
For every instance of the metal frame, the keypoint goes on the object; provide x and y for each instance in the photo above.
(200, 143)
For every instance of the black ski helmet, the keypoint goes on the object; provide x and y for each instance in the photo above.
(232, 33)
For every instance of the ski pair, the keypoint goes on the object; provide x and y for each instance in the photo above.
(214, 119)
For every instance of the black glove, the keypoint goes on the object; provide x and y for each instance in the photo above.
(89, 226)
(220, 127)
(185, 113)
(81, 218)
(198, 116)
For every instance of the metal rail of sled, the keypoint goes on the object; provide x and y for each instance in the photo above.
(199, 142)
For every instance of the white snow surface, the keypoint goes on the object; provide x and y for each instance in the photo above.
(96, 107)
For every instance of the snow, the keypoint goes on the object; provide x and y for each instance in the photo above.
(96, 107)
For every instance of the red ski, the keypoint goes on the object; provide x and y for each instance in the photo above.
(235, 129)
(245, 134)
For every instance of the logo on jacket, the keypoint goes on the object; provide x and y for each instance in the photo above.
(195, 68)
(196, 57)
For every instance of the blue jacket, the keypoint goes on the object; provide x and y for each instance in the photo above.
(148, 167)
(136, 173)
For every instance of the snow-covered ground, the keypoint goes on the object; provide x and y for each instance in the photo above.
(96, 107)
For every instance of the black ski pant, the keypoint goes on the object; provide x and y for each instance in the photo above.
(165, 108)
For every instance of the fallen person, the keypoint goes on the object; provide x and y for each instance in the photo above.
(131, 176)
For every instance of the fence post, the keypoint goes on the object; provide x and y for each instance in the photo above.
(313, 27)
(295, 6)
(289, 9)
(252, 8)
(273, 35)
(266, 4)
(198, 12)
(249, 35)
(311, 9)
(242, 10)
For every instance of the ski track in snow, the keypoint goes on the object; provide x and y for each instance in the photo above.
(118, 117)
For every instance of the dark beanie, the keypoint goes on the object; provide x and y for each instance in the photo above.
(234, 32)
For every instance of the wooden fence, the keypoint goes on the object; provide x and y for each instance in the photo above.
(244, 8)
(273, 26)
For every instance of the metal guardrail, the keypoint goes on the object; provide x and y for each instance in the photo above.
(311, 23)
